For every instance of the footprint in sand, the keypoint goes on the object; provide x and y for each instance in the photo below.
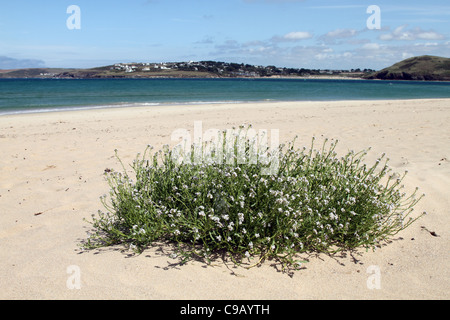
(49, 167)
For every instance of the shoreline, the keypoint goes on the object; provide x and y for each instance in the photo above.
(192, 103)
(273, 77)
(52, 177)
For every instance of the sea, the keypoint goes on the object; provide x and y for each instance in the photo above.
(46, 95)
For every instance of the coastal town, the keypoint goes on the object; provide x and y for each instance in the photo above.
(187, 69)
(226, 69)
(422, 68)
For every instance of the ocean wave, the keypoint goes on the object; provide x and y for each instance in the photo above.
(119, 105)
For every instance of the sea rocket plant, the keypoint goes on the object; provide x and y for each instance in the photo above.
(315, 202)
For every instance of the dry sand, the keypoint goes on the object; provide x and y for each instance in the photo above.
(51, 177)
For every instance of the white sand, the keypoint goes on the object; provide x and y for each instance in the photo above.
(53, 164)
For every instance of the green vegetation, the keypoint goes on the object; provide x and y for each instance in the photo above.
(223, 203)
(191, 69)
(416, 68)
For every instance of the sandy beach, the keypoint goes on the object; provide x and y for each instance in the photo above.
(51, 178)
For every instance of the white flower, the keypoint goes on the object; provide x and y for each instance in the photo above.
(247, 254)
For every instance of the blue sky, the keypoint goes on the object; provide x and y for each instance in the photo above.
(285, 33)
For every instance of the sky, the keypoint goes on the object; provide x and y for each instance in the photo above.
(316, 34)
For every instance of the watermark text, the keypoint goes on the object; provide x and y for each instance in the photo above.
(231, 146)
(374, 21)
(74, 280)
(73, 22)
(374, 280)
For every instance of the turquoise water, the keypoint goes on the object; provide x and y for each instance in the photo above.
(43, 95)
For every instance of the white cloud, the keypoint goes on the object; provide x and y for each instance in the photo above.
(293, 36)
(298, 35)
(341, 33)
(371, 46)
(347, 55)
(271, 1)
(427, 44)
(332, 36)
(11, 63)
(322, 56)
(406, 55)
(336, 49)
(430, 35)
(353, 6)
(401, 33)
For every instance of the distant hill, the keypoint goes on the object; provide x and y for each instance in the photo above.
(32, 72)
(191, 69)
(416, 68)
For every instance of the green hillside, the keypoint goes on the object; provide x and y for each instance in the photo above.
(191, 69)
(416, 68)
